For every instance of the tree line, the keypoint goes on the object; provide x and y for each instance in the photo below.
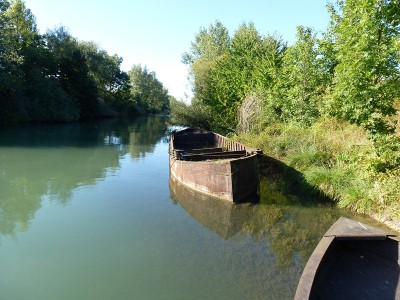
(350, 72)
(56, 77)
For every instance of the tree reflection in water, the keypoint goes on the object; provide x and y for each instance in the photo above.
(291, 219)
(38, 160)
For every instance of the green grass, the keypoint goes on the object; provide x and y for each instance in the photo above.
(337, 160)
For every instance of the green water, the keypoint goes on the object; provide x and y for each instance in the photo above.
(87, 211)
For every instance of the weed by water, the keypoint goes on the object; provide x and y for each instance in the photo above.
(337, 160)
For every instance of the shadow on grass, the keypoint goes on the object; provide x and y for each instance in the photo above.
(283, 185)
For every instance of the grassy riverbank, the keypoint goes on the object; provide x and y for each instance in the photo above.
(324, 106)
(336, 160)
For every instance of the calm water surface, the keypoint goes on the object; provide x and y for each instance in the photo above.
(87, 211)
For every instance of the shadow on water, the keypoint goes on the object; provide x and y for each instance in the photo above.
(38, 160)
(291, 216)
(284, 185)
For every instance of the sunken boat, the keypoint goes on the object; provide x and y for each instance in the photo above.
(352, 261)
(212, 164)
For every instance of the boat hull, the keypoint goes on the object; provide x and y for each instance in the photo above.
(352, 261)
(212, 164)
(230, 179)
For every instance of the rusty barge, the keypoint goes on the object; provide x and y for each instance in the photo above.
(212, 164)
(352, 261)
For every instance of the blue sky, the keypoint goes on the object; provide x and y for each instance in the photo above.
(155, 33)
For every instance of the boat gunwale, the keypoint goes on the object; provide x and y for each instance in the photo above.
(310, 270)
(249, 150)
(334, 233)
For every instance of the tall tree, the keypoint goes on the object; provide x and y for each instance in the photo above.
(148, 91)
(73, 72)
(367, 77)
(17, 34)
(249, 67)
(209, 44)
(301, 81)
(111, 81)
(28, 90)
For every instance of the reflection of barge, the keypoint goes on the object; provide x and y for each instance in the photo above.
(352, 261)
(210, 163)
(221, 217)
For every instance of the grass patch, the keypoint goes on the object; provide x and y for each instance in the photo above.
(336, 159)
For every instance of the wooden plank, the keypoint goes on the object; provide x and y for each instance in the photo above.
(199, 150)
(242, 152)
(221, 155)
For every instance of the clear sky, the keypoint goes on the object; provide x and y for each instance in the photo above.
(155, 33)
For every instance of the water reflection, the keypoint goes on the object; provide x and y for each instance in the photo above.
(221, 217)
(39, 160)
(290, 216)
(292, 232)
(283, 236)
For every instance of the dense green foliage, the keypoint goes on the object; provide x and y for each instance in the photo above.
(324, 105)
(147, 91)
(366, 79)
(55, 77)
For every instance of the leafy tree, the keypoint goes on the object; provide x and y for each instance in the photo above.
(112, 83)
(298, 91)
(249, 67)
(225, 71)
(148, 92)
(210, 44)
(76, 81)
(57, 78)
(28, 91)
(17, 32)
(72, 71)
(367, 75)
(195, 115)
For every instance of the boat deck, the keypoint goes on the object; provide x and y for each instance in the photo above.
(359, 269)
(352, 261)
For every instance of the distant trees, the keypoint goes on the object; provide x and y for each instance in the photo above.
(55, 77)
(147, 91)
(112, 83)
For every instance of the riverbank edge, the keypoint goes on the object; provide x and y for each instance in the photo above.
(325, 154)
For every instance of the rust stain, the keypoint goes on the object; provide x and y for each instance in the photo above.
(214, 172)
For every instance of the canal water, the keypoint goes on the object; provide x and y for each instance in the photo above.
(87, 211)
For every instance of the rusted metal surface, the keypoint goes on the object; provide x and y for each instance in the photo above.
(231, 174)
(352, 261)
